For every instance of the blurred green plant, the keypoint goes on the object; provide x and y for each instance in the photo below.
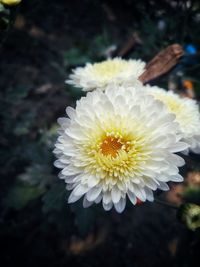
(83, 53)
(190, 215)
(21, 194)
(192, 194)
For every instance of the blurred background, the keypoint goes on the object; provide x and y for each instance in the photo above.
(41, 41)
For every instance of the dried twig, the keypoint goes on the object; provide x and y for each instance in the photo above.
(162, 63)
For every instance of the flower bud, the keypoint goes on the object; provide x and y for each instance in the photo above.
(10, 2)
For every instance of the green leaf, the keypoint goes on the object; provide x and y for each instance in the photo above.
(20, 196)
(76, 56)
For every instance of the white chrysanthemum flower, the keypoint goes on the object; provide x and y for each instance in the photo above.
(118, 143)
(100, 75)
(187, 114)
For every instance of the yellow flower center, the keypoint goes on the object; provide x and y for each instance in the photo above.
(111, 146)
(109, 68)
(116, 156)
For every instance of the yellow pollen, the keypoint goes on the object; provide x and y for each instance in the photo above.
(112, 145)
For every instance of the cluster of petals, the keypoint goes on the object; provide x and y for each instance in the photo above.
(100, 75)
(118, 144)
(121, 141)
(187, 115)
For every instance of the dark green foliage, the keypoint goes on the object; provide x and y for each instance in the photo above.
(192, 194)
(20, 196)
(87, 52)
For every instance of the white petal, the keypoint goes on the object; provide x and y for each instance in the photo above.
(132, 197)
(92, 181)
(69, 170)
(120, 206)
(72, 198)
(75, 133)
(59, 164)
(61, 176)
(163, 178)
(135, 110)
(149, 194)
(176, 178)
(107, 206)
(163, 186)
(93, 193)
(139, 192)
(150, 183)
(178, 147)
(115, 194)
(70, 179)
(70, 186)
(175, 159)
(98, 199)
(80, 190)
(120, 101)
(86, 203)
(63, 122)
(107, 197)
(108, 107)
(172, 170)
(56, 151)
(71, 112)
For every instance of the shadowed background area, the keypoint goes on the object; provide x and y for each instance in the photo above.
(41, 41)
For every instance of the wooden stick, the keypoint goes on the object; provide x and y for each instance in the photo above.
(162, 63)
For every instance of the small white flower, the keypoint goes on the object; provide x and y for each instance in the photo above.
(187, 114)
(115, 144)
(99, 75)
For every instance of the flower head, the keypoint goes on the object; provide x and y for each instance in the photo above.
(10, 2)
(187, 114)
(189, 213)
(115, 144)
(99, 75)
